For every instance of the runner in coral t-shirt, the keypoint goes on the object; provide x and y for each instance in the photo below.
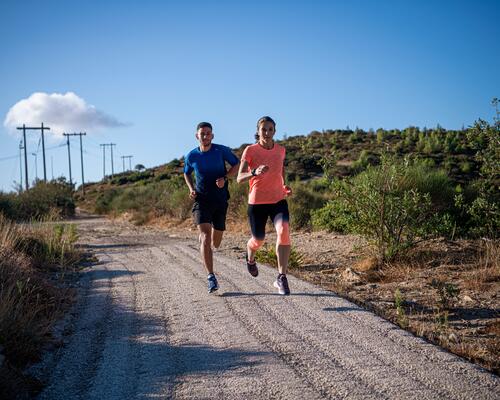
(263, 164)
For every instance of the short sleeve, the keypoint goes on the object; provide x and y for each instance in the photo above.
(188, 168)
(246, 156)
(229, 156)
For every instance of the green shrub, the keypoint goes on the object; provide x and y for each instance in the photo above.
(302, 203)
(484, 209)
(465, 167)
(238, 199)
(104, 199)
(43, 200)
(390, 204)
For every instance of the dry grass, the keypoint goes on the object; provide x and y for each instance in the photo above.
(487, 269)
(31, 299)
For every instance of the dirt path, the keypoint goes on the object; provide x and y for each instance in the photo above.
(145, 327)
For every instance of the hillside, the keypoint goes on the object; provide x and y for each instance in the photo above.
(353, 150)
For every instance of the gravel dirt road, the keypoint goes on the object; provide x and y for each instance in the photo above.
(145, 327)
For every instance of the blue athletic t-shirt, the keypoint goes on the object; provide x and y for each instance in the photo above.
(208, 166)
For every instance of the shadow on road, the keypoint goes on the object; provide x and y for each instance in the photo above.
(133, 350)
(300, 294)
(344, 309)
(114, 246)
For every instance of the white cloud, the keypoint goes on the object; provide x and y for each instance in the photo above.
(61, 112)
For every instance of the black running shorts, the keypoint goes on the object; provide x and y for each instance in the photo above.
(259, 213)
(210, 212)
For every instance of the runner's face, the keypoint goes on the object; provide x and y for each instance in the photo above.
(266, 131)
(205, 136)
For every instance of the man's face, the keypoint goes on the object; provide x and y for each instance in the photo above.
(204, 136)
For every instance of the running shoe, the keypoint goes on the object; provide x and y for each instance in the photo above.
(252, 267)
(212, 283)
(281, 283)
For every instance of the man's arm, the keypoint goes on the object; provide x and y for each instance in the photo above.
(189, 183)
(220, 182)
(233, 170)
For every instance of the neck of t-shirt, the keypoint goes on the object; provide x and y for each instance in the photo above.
(204, 149)
(267, 147)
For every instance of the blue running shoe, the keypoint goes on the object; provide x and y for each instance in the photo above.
(212, 283)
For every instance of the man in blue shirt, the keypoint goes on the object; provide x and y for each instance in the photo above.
(210, 194)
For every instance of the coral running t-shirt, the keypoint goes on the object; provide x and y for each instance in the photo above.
(266, 188)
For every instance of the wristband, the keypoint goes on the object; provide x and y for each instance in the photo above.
(254, 172)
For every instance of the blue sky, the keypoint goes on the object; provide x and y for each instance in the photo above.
(160, 67)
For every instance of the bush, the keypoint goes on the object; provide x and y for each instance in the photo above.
(238, 200)
(394, 205)
(302, 203)
(104, 199)
(484, 209)
(45, 199)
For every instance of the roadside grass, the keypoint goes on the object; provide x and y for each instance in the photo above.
(34, 261)
(487, 269)
(267, 255)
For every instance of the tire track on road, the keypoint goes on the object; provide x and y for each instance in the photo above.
(226, 331)
(398, 368)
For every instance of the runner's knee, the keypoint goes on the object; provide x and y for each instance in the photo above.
(255, 244)
(283, 232)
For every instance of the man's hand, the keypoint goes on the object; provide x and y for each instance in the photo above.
(220, 182)
(192, 194)
(288, 190)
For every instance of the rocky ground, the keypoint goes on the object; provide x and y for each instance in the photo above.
(445, 291)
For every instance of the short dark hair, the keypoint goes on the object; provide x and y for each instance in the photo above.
(204, 125)
(262, 120)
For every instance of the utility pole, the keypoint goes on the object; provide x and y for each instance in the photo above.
(81, 156)
(112, 169)
(69, 157)
(21, 147)
(52, 166)
(104, 158)
(25, 156)
(81, 159)
(103, 145)
(36, 166)
(43, 152)
(123, 160)
(42, 129)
